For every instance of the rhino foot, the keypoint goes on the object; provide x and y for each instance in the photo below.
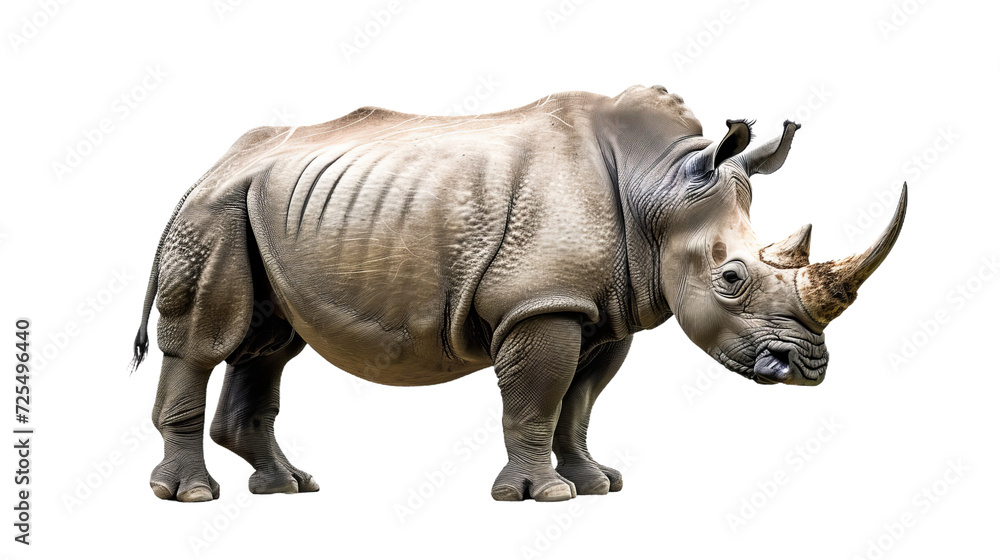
(591, 477)
(614, 477)
(173, 480)
(282, 479)
(540, 483)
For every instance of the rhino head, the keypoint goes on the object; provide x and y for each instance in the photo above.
(759, 310)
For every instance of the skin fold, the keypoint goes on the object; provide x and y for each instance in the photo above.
(413, 249)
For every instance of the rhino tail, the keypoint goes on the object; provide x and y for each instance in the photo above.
(141, 345)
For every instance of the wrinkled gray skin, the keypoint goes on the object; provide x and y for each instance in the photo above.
(413, 250)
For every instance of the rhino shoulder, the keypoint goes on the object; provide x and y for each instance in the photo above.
(654, 104)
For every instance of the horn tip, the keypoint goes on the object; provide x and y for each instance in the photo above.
(805, 234)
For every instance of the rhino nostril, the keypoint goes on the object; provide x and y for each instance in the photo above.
(781, 356)
(772, 365)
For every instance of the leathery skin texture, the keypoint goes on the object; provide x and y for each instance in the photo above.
(415, 249)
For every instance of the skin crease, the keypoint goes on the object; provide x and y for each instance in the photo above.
(414, 249)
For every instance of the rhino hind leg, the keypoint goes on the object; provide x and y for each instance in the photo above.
(534, 367)
(205, 300)
(179, 415)
(570, 441)
(248, 406)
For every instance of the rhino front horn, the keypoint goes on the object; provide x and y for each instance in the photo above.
(826, 289)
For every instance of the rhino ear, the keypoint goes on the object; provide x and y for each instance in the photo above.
(732, 144)
(769, 157)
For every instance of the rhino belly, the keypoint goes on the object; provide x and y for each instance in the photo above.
(374, 259)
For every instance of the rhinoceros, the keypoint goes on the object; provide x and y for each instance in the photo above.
(413, 249)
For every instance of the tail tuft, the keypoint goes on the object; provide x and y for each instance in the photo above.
(139, 349)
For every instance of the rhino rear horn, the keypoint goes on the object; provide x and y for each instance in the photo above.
(770, 156)
(732, 144)
(791, 252)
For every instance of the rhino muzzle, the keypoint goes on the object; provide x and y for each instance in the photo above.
(791, 364)
(782, 351)
(796, 356)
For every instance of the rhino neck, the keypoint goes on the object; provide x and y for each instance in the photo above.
(646, 174)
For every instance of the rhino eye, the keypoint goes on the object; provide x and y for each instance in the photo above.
(730, 280)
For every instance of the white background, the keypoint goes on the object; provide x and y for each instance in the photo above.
(873, 85)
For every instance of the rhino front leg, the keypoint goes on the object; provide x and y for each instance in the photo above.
(570, 442)
(534, 366)
(244, 421)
